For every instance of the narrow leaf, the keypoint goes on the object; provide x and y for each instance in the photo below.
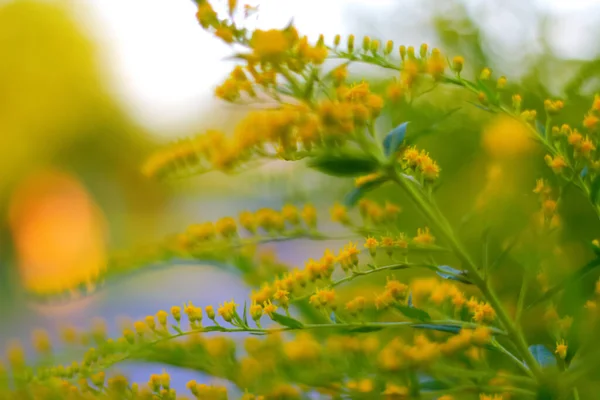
(213, 328)
(413, 313)
(176, 329)
(287, 321)
(427, 382)
(439, 327)
(393, 140)
(365, 329)
(344, 164)
(245, 315)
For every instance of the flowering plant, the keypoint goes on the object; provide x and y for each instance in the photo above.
(441, 333)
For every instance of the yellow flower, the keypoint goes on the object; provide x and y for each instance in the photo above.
(339, 213)
(309, 215)
(561, 349)
(424, 237)
(371, 243)
(227, 310)
(484, 313)
(397, 289)
(270, 45)
(324, 298)
(269, 308)
(356, 305)
(574, 138)
(429, 169)
(587, 146)
(590, 121)
(283, 297)
(436, 64)
(481, 335)
(395, 91)
(457, 64)
(226, 227)
(506, 137)
(557, 163)
(290, 213)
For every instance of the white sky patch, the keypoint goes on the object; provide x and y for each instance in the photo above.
(164, 67)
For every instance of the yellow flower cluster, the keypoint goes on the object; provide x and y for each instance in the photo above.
(547, 218)
(295, 281)
(379, 214)
(268, 220)
(420, 163)
(394, 292)
(397, 355)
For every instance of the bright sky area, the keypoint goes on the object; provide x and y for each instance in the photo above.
(164, 66)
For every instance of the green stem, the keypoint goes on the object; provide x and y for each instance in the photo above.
(519, 363)
(442, 226)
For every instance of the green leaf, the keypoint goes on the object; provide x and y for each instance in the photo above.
(427, 382)
(595, 190)
(245, 315)
(586, 269)
(413, 313)
(439, 327)
(364, 329)
(542, 355)
(176, 329)
(349, 165)
(357, 193)
(213, 328)
(287, 321)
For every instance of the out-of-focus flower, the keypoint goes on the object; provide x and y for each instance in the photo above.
(58, 232)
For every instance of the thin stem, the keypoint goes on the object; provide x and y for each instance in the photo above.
(519, 363)
(443, 227)
(356, 274)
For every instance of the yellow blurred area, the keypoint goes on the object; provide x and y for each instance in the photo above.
(49, 83)
(69, 153)
(59, 233)
(507, 137)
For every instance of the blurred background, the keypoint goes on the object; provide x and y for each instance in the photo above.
(88, 88)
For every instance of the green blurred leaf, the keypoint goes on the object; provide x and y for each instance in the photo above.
(595, 190)
(365, 329)
(439, 327)
(287, 321)
(348, 164)
(413, 313)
